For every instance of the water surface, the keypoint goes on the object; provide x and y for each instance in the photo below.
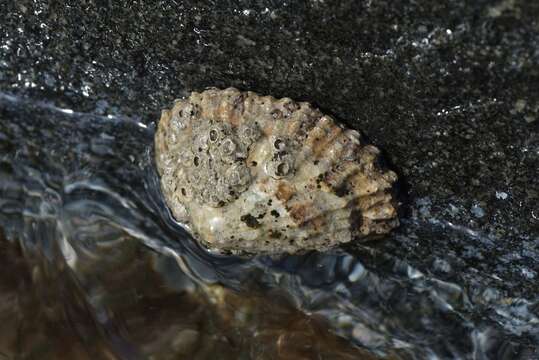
(96, 267)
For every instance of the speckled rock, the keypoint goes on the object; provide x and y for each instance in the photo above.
(449, 89)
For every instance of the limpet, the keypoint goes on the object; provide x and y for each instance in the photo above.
(255, 174)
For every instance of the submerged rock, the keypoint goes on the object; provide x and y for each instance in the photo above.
(257, 174)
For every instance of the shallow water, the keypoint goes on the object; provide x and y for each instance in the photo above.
(93, 257)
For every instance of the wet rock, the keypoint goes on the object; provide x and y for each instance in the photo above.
(448, 89)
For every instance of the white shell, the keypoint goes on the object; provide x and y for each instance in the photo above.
(256, 174)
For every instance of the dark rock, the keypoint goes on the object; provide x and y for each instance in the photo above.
(450, 90)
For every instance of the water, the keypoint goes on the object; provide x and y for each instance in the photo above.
(93, 257)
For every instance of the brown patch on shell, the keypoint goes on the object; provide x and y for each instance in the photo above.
(284, 191)
(300, 212)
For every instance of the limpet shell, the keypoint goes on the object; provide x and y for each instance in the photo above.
(255, 174)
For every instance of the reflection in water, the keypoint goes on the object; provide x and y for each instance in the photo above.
(95, 267)
(121, 305)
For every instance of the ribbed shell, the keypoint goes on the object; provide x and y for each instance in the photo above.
(256, 174)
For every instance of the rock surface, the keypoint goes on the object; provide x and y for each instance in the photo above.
(449, 90)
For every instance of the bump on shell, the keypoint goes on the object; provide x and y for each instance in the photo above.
(255, 174)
